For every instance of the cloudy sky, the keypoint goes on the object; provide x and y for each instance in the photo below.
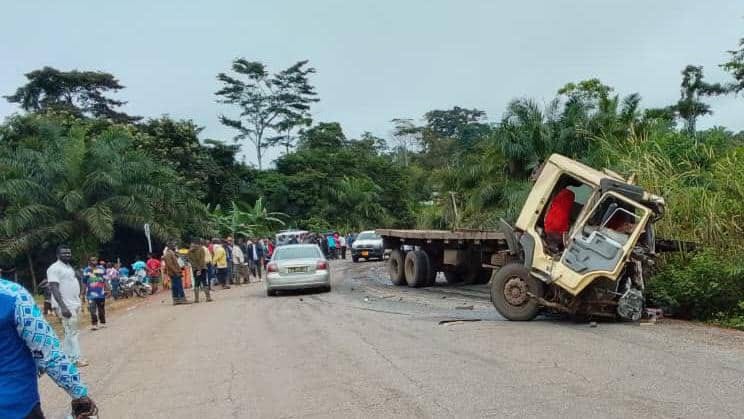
(376, 60)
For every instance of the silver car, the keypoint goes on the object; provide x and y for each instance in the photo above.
(297, 266)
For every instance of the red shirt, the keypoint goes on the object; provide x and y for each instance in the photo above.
(558, 218)
(153, 267)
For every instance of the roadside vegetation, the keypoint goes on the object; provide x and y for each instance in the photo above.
(74, 168)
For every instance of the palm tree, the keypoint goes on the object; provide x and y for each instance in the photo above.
(356, 202)
(68, 187)
(256, 220)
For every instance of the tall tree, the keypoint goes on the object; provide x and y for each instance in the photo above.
(406, 134)
(452, 123)
(82, 93)
(299, 94)
(325, 135)
(735, 66)
(693, 87)
(268, 103)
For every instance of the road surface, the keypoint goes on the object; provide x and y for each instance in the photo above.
(368, 349)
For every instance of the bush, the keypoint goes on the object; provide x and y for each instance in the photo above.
(707, 285)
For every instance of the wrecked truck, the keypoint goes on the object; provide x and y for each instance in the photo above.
(598, 270)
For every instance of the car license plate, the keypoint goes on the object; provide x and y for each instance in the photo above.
(297, 269)
(365, 253)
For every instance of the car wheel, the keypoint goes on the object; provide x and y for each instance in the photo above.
(270, 292)
(355, 259)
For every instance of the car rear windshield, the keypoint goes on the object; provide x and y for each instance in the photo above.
(300, 252)
(367, 236)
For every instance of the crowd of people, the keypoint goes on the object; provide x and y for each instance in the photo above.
(333, 244)
(203, 265)
(31, 346)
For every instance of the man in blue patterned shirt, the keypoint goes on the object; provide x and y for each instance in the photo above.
(29, 346)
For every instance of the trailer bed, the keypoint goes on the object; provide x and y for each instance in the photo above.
(447, 235)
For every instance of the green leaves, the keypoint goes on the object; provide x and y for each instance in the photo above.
(267, 103)
(77, 188)
(81, 93)
(257, 220)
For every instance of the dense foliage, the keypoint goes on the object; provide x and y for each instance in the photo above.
(73, 169)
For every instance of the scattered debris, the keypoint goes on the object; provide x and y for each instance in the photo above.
(301, 299)
(443, 297)
(592, 324)
(366, 299)
(470, 307)
(455, 321)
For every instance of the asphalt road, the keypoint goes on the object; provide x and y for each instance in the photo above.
(368, 349)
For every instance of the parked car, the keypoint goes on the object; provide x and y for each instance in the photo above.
(367, 245)
(297, 266)
(288, 236)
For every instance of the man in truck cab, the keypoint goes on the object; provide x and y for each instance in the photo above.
(558, 219)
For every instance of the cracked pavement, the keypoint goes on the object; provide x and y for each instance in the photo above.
(369, 349)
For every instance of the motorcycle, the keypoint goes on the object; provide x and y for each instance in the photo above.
(134, 285)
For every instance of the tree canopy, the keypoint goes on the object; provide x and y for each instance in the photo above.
(81, 93)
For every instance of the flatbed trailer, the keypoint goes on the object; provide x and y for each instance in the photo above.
(464, 256)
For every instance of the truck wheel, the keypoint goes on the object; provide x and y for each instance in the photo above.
(417, 268)
(396, 268)
(510, 286)
(431, 271)
(452, 278)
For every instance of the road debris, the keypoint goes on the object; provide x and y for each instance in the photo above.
(456, 321)
(592, 324)
(470, 307)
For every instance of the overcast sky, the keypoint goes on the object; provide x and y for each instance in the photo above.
(376, 60)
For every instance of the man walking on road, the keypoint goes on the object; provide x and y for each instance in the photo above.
(256, 257)
(29, 346)
(65, 289)
(197, 258)
(95, 286)
(153, 271)
(238, 261)
(173, 270)
(219, 258)
(342, 243)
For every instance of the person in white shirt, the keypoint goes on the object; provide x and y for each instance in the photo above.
(65, 289)
(342, 244)
(239, 268)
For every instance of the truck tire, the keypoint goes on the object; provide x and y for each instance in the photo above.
(452, 277)
(417, 268)
(509, 292)
(396, 269)
(431, 271)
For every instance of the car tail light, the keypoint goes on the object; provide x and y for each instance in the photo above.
(321, 265)
(271, 267)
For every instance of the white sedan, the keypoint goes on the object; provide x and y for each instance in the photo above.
(297, 266)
